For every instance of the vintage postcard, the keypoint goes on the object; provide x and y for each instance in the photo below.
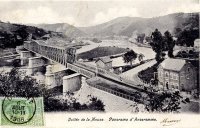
(99, 63)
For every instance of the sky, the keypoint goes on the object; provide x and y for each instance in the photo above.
(88, 13)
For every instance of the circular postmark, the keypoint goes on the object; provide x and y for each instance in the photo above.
(19, 110)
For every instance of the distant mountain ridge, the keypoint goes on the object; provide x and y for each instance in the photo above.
(122, 26)
(113, 27)
(67, 29)
(127, 26)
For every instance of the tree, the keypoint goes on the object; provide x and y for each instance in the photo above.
(177, 31)
(140, 57)
(140, 38)
(188, 36)
(166, 102)
(157, 44)
(95, 104)
(148, 39)
(12, 84)
(168, 40)
(130, 56)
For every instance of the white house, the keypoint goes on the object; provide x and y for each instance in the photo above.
(177, 74)
(104, 62)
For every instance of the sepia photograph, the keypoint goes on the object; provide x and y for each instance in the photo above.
(132, 56)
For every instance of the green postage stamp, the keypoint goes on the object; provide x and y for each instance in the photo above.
(21, 111)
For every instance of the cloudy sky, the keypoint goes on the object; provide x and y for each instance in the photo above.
(88, 13)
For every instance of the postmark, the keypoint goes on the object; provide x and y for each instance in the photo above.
(22, 111)
(19, 111)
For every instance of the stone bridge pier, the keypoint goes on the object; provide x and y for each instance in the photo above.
(35, 64)
(24, 55)
(19, 49)
(50, 80)
(72, 83)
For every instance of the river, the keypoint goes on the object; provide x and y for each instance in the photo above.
(147, 52)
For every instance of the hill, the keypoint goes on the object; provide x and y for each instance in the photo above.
(12, 35)
(65, 28)
(128, 26)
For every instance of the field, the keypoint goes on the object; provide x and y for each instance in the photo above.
(100, 52)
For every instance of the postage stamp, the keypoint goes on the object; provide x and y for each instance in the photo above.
(22, 111)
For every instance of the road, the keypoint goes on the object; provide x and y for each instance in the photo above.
(133, 73)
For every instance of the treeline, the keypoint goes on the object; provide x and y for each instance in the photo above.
(184, 36)
(161, 43)
(188, 31)
(12, 35)
(185, 32)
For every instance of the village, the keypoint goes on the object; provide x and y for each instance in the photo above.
(138, 62)
(170, 75)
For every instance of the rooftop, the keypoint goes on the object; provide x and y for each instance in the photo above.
(104, 59)
(55, 42)
(46, 36)
(173, 64)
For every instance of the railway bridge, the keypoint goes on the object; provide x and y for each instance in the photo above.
(67, 56)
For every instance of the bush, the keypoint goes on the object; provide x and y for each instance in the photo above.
(166, 102)
(42, 69)
(191, 52)
(96, 104)
(187, 100)
(71, 104)
(148, 74)
(96, 40)
(16, 63)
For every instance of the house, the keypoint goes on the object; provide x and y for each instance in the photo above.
(104, 62)
(197, 44)
(177, 74)
(46, 37)
(19, 37)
